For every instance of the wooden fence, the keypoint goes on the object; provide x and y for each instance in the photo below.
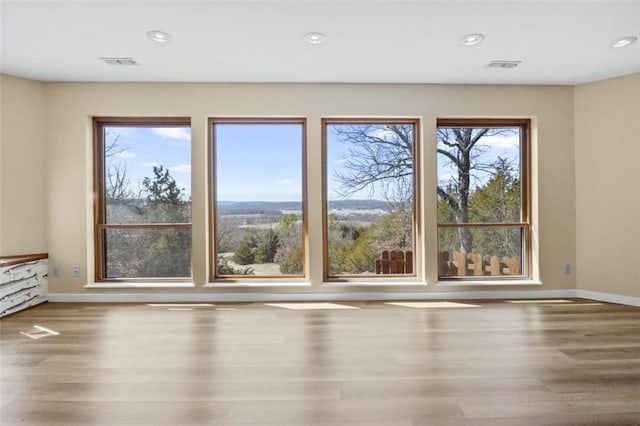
(465, 264)
(395, 262)
(473, 264)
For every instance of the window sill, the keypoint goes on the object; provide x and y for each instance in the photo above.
(130, 284)
(396, 283)
(486, 283)
(257, 284)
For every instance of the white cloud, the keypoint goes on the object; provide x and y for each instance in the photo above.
(284, 182)
(125, 154)
(499, 141)
(150, 164)
(177, 133)
(383, 133)
(341, 161)
(445, 178)
(181, 168)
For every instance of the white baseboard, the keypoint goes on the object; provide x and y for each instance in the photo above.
(309, 297)
(607, 297)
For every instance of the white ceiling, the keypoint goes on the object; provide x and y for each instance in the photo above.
(558, 42)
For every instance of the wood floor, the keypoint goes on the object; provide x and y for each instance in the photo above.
(483, 363)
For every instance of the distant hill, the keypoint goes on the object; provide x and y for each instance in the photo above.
(247, 207)
(358, 204)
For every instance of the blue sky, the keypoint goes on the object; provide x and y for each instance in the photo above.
(144, 147)
(255, 162)
(258, 162)
(263, 162)
(506, 146)
(337, 156)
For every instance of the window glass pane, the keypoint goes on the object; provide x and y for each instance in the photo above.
(148, 252)
(495, 251)
(259, 198)
(147, 174)
(479, 175)
(370, 195)
(145, 184)
(480, 181)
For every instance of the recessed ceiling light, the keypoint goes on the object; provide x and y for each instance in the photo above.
(472, 39)
(159, 36)
(624, 41)
(504, 64)
(315, 38)
(119, 61)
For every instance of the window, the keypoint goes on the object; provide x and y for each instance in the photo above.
(143, 202)
(483, 199)
(370, 197)
(258, 198)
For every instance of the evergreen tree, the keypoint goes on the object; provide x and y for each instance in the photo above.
(246, 251)
(162, 188)
(290, 253)
(167, 251)
(498, 201)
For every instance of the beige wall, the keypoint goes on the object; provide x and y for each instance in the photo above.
(23, 167)
(588, 200)
(607, 117)
(71, 106)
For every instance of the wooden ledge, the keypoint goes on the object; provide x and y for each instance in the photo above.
(22, 258)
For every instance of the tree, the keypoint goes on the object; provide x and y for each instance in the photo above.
(290, 253)
(117, 183)
(168, 251)
(498, 201)
(116, 174)
(380, 155)
(162, 188)
(378, 158)
(246, 251)
(460, 147)
(267, 247)
(224, 268)
(393, 232)
(164, 200)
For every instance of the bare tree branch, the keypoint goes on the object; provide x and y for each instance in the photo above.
(117, 182)
(378, 154)
(112, 146)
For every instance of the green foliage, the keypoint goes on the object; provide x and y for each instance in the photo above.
(151, 252)
(352, 256)
(245, 252)
(290, 254)
(497, 201)
(257, 247)
(393, 232)
(168, 255)
(162, 188)
(354, 249)
(291, 260)
(361, 256)
(288, 222)
(224, 268)
(267, 247)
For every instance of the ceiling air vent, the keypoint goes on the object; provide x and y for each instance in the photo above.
(119, 61)
(504, 64)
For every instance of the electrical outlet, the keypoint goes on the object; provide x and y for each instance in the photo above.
(75, 272)
(55, 271)
(567, 268)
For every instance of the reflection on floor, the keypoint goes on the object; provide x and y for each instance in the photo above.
(438, 305)
(486, 363)
(310, 306)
